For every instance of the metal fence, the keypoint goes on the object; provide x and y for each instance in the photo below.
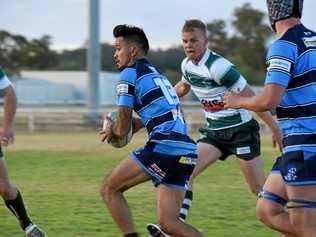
(76, 118)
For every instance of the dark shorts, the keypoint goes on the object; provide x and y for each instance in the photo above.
(242, 141)
(173, 171)
(297, 167)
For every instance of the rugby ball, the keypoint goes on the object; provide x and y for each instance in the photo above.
(122, 141)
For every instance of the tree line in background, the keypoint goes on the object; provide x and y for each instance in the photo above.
(244, 42)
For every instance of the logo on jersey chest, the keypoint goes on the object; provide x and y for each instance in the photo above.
(214, 104)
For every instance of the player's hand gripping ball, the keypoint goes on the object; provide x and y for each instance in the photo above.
(122, 141)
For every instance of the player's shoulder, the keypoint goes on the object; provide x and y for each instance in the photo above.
(219, 65)
(282, 48)
(288, 45)
(145, 69)
(128, 74)
(220, 62)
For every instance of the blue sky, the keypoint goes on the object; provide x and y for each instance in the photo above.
(66, 20)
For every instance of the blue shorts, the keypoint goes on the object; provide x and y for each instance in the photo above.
(173, 171)
(297, 167)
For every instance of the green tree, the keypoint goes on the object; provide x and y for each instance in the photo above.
(246, 46)
(17, 53)
(108, 62)
(250, 41)
(39, 54)
(11, 47)
(73, 60)
(218, 39)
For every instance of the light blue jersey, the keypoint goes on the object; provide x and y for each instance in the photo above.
(292, 64)
(145, 90)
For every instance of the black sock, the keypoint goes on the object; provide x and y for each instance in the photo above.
(17, 207)
(131, 235)
(186, 204)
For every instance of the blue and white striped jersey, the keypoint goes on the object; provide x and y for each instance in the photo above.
(292, 64)
(149, 93)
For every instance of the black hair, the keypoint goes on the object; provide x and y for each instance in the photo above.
(132, 34)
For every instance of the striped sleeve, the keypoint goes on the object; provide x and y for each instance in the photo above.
(4, 80)
(126, 88)
(224, 72)
(184, 77)
(280, 61)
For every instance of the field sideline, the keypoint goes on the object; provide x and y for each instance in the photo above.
(60, 174)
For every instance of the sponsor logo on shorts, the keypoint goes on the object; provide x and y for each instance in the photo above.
(156, 170)
(187, 161)
(291, 174)
(243, 150)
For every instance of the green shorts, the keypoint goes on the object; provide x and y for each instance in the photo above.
(242, 141)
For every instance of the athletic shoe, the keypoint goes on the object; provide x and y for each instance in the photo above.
(155, 231)
(34, 231)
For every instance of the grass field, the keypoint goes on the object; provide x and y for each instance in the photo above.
(60, 174)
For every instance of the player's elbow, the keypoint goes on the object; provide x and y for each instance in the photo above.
(268, 105)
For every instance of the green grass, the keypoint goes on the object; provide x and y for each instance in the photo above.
(60, 174)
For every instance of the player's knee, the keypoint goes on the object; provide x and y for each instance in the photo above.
(266, 212)
(262, 213)
(107, 189)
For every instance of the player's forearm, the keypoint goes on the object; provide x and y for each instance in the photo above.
(123, 123)
(257, 103)
(120, 129)
(269, 120)
(10, 104)
(137, 124)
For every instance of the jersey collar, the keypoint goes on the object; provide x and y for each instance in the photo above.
(205, 57)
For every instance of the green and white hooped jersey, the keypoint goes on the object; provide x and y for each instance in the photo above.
(209, 80)
(4, 81)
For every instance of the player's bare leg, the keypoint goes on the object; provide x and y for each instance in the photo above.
(272, 212)
(126, 175)
(207, 155)
(169, 203)
(253, 173)
(7, 190)
(303, 219)
(15, 204)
